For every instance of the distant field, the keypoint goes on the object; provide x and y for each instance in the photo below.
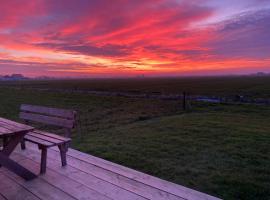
(254, 86)
(223, 150)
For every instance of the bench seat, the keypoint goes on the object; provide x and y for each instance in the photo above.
(62, 118)
(44, 140)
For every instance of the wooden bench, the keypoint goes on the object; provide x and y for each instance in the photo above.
(49, 116)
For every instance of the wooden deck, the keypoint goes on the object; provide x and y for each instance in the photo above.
(86, 177)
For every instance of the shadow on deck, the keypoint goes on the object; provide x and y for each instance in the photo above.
(86, 177)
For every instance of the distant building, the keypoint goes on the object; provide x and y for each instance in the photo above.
(141, 76)
(43, 78)
(261, 74)
(12, 77)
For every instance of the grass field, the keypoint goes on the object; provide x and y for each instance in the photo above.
(223, 150)
(253, 86)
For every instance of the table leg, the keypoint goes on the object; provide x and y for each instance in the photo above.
(12, 165)
(12, 143)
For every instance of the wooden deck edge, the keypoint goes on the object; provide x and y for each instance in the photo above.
(152, 181)
(63, 183)
(84, 178)
(127, 184)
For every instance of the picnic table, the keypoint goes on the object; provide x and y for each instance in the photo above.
(12, 134)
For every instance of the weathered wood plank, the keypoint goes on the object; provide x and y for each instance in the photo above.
(141, 177)
(38, 141)
(13, 191)
(129, 184)
(9, 126)
(13, 128)
(15, 124)
(39, 187)
(56, 121)
(48, 138)
(69, 186)
(52, 135)
(63, 113)
(5, 131)
(10, 129)
(99, 178)
(110, 190)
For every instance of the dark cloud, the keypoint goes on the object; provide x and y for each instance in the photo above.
(108, 50)
(6, 63)
(194, 54)
(245, 35)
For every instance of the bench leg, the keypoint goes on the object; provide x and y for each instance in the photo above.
(5, 141)
(63, 153)
(43, 163)
(23, 144)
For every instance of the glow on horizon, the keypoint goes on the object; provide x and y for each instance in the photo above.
(126, 38)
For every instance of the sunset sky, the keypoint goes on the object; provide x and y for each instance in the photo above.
(104, 38)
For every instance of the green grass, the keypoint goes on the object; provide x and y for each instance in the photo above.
(222, 150)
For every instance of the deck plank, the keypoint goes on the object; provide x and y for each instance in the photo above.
(131, 185)
(11, 190)
(104, 187)
(110, 180)
(38, 187)
(163, 185)
(71, 187)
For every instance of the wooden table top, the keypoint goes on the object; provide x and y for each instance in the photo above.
(8, 127)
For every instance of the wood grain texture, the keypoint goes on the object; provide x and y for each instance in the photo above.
(71, 187)
(8, 127)
(14, 124)
(141, 177)
(62, 113)
(46, 138)
(9, 189)
(128, 184)
(38, 141)
(81, 179)
(55, 121)
(39, 187)
(5, 131)
(110, 190)
(52, 135)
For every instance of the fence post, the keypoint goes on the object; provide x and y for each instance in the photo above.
(184, 101)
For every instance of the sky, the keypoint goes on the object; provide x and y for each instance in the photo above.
(115, 38)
